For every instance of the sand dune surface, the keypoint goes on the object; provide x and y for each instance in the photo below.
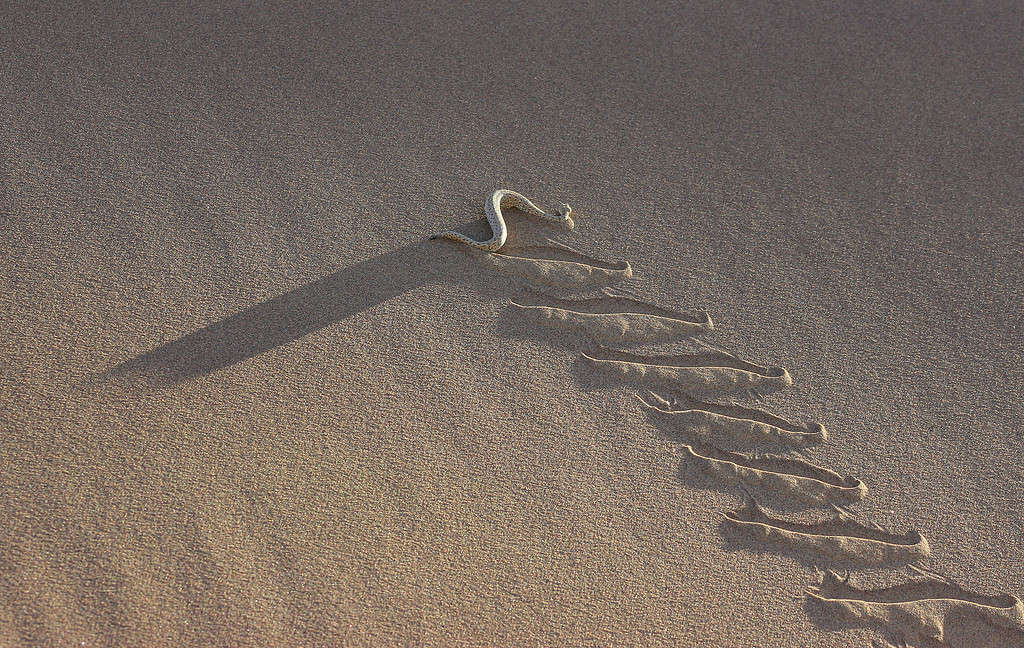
(246, 401)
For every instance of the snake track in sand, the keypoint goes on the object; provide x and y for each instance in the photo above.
(499, 230)
(921, 610)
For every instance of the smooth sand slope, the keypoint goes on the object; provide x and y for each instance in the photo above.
(244, 401)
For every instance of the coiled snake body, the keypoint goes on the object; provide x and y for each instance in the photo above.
(499, 230)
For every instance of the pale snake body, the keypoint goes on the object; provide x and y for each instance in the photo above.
(499, 230)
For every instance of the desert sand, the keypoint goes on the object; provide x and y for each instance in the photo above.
(246, 401)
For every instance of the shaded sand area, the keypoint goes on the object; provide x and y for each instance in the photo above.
(245, 402)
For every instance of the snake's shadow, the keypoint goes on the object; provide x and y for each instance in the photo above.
(307, 309)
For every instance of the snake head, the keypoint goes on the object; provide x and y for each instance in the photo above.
(565, 211)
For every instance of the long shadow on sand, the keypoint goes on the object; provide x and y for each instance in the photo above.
(294, 314)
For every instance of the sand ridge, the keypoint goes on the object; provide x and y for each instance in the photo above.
(617, 319)
(559, 266)
(707, 374)
(842, 540)
(921, 610)
(732, 422)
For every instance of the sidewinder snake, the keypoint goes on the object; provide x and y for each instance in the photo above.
(499, 230)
